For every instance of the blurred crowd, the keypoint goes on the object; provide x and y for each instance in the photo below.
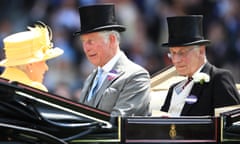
(146, 30)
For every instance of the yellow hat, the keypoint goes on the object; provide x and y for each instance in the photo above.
(29, 46)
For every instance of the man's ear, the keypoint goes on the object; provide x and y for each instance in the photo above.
(112, 38)
(202, 50)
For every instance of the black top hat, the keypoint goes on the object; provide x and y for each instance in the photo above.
(185, 31)
(97, 18)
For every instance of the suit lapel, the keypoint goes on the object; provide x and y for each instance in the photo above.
(87, 86)
(197, 89)
(106, 83)
(113, 75)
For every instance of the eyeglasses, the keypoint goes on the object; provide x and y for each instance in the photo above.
(180, 53)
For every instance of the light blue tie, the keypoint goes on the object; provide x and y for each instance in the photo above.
(95, 84)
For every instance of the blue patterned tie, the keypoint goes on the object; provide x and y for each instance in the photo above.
(95, 85)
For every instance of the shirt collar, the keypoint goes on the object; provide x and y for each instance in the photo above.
(109, 65)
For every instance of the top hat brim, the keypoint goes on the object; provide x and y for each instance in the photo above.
(119, 28)
(51, 53)
(199, 42)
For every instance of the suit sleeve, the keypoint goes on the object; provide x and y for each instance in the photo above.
(225, 90)
(134, 98)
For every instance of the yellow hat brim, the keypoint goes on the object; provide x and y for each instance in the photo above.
(51, 53)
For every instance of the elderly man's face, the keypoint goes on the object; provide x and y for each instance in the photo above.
(188, 59)
(98, 49)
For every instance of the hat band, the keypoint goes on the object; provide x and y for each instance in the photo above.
(184, 40)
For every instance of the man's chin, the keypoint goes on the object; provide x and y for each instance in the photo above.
(181, 74)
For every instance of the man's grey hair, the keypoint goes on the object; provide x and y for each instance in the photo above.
(197, 47)
(106, 34)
